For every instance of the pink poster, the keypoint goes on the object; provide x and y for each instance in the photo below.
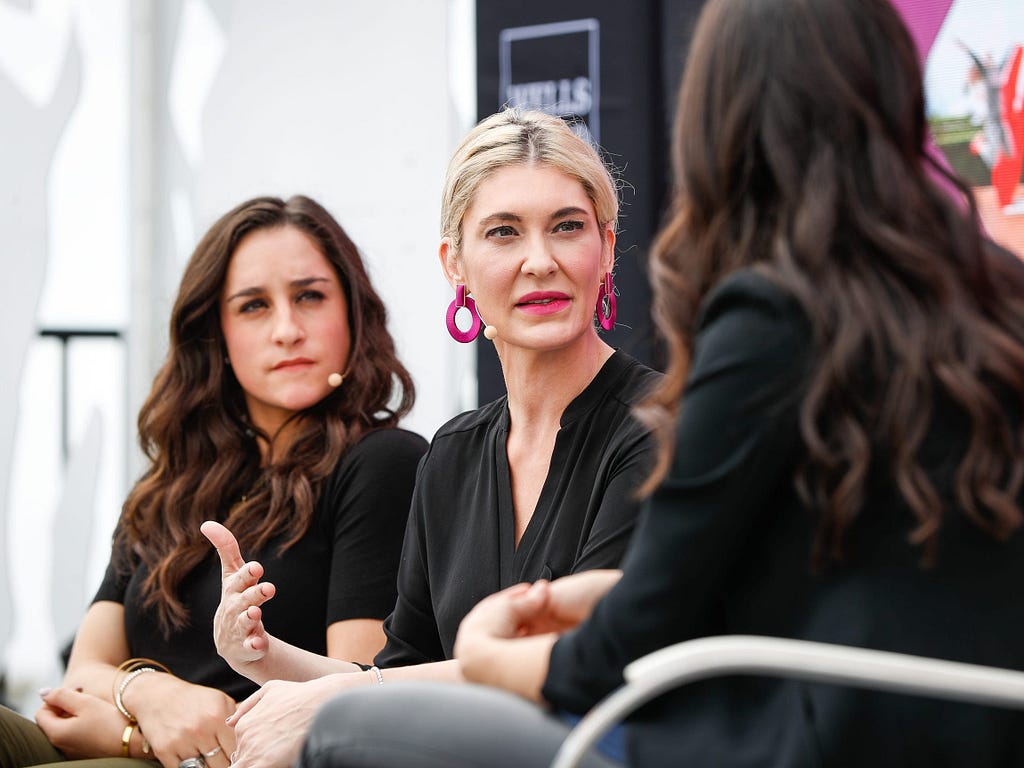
(973, 54)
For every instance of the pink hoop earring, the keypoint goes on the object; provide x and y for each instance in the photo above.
(606, 305)
(462, 300)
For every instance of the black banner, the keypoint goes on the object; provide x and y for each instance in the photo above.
(597, 61)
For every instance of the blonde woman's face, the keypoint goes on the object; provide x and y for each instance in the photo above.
(284, 317)
(533, 255)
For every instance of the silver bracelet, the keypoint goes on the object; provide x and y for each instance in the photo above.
(118, 702)
(380, 677)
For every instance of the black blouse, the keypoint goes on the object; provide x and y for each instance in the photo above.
(459, 545)
(343, 568)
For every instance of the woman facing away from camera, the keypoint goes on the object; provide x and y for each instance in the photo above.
(843, 424)
(246, 423)
(538, 484)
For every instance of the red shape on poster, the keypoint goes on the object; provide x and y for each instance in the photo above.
(1007, 166)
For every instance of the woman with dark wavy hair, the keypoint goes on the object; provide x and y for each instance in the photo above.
(275, 413)
(842, 426)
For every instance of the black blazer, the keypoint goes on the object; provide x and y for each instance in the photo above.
(724, 547)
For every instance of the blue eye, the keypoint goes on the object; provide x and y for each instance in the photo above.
(503, 231)
(568, 226)
(252, 306)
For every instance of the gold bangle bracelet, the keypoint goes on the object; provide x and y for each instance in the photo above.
(126, 739)
(129, 664)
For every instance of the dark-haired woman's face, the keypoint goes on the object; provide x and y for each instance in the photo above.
(285, 321)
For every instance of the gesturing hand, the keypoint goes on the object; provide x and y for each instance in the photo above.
(238, 629)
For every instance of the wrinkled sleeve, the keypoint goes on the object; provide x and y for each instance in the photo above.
(411, 629)
(370, 507)
(619, 508)
(115, 580)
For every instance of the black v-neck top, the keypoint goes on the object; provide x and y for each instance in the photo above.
(460, 542)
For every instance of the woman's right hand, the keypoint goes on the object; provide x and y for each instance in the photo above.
(80, 725)
(181, 719)
(238, 629)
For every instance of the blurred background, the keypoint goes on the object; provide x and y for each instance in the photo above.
(126, 129)
(128, 126)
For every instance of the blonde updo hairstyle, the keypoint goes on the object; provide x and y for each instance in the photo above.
(523, 137)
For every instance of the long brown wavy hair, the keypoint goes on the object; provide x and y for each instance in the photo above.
(799, 148)
(204, 460)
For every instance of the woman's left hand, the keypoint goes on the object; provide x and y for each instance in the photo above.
(81, 725)
(271, 725)
(182, 719)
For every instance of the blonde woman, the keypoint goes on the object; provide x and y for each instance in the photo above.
(536, 485)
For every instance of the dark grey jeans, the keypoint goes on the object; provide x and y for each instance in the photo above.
(434, 725)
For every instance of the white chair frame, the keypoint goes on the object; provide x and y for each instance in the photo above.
(693, 660)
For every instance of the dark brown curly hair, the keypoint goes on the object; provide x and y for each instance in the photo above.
(800, 148)
(204, 460)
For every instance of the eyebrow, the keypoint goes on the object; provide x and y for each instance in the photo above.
(572, 210)
(496, 217)
(256, 290)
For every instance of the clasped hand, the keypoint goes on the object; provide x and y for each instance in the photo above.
(80, 725)
(490, 640)
(272, 723)
(531, 609)
(179, 720)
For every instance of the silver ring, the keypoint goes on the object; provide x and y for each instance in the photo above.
(212, 752)
(193, 762)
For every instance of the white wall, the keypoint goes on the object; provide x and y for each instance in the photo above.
(128, 128)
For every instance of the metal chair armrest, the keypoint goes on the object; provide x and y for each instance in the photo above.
(693, 660)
